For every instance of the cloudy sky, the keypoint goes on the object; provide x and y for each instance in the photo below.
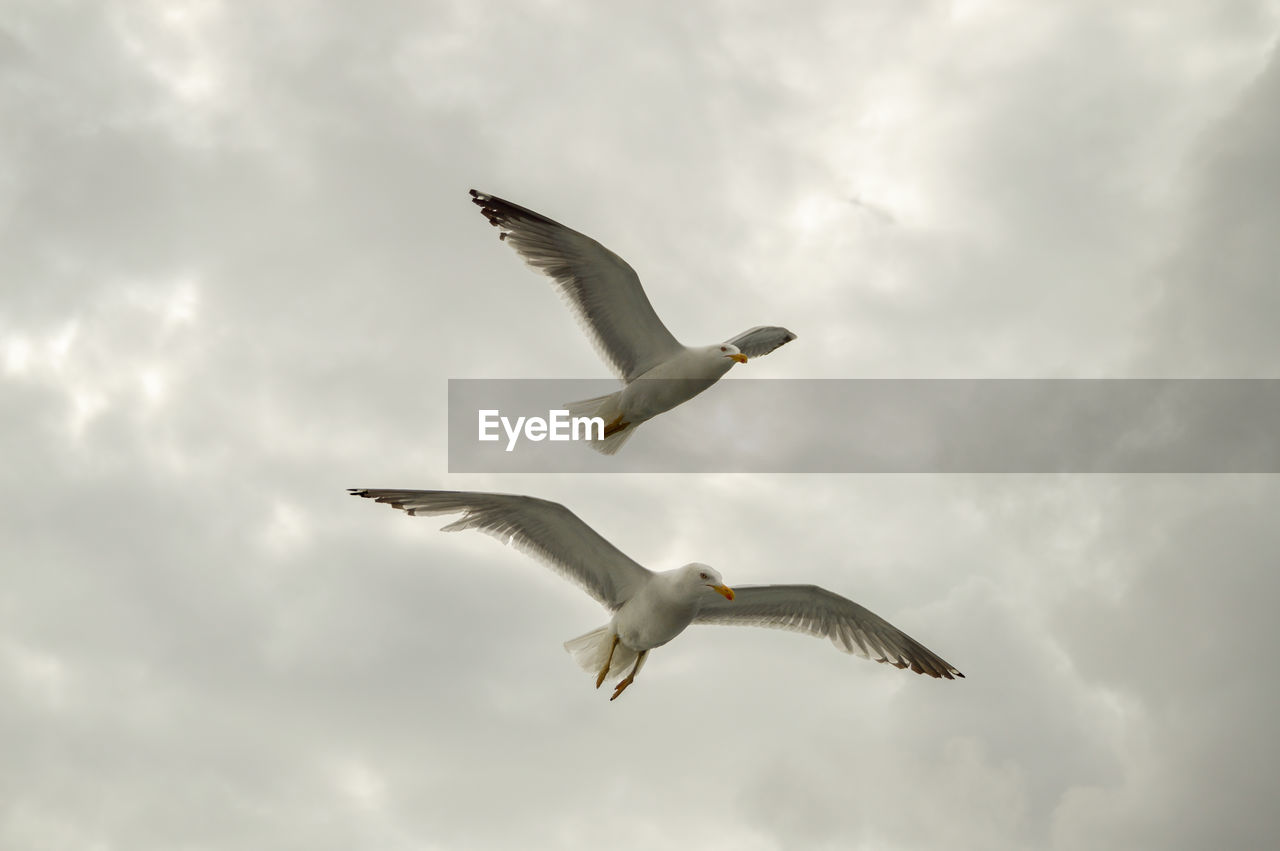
(238, 265)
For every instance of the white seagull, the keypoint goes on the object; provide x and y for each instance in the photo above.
(657, 371)
(649, 609)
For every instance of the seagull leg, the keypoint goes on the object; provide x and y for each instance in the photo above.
(607, 662)
(615, 426)
(631, 677)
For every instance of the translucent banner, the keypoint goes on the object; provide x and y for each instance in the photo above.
(880, 426)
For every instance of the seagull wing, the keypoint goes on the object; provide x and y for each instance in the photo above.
(760, 340)
(546, 530)
(819, 612)
(604, 292)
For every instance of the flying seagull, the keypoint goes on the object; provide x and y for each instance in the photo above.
(657, 371)
(649, 609)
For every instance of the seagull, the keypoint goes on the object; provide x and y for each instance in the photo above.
(657, 371)
(651, 608)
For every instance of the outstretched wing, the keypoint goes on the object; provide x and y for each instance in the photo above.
(545, 530)
(760, 340)
(604, 292)
(817, 611)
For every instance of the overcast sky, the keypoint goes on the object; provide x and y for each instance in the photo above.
(238, 264)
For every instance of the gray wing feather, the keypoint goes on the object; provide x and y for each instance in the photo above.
(819, 612)
(546, 530)
(760, 340)
(604, 292)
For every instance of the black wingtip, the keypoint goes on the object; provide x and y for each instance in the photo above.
(489, 208)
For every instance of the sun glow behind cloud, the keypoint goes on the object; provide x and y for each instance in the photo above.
(171, 41)
(17, 356)
(123, 353)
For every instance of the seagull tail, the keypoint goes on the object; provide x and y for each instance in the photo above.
(607, 408)
(611, 444)
(591, 651)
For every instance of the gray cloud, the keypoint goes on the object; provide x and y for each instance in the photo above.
(1213, 295)
(239, 267)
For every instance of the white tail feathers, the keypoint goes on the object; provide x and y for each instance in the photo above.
(591, 651)
(611, 444)
(608, 408)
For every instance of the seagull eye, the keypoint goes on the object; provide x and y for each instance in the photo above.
(703, 575)
(723, 349)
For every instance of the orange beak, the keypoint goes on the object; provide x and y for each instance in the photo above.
(739, 357)
(723, 590)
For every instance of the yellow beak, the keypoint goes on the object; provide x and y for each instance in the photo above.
(724, 590)
(739, 357)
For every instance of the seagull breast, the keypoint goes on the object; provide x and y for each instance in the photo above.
(658, 612)
(673, 382)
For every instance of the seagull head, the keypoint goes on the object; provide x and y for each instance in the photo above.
(730, 351)
(698, 576)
